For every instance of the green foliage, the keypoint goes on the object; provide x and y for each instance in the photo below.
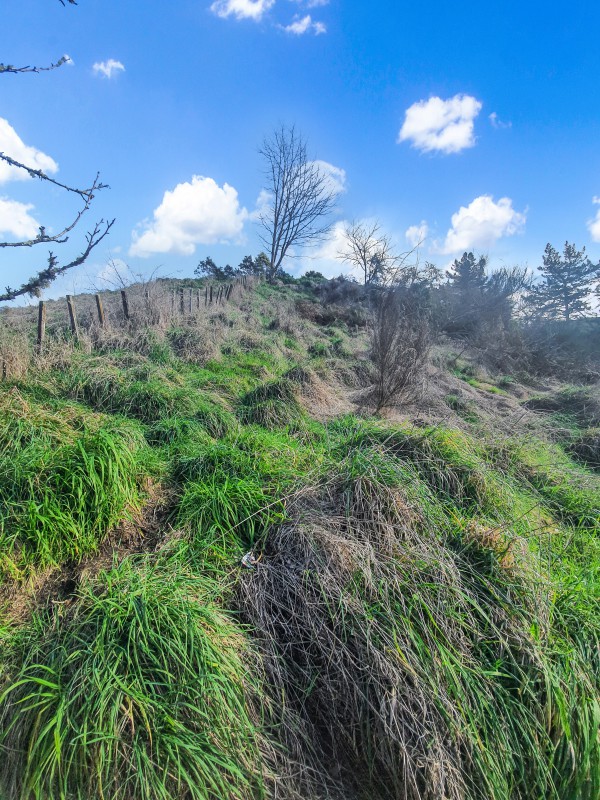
(135, 691)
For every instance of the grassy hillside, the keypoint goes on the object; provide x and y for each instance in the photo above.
(221, 576)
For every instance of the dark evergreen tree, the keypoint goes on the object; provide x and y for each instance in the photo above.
(567, 282)
(468, 273)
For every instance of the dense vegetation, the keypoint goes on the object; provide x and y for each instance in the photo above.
(222, 576)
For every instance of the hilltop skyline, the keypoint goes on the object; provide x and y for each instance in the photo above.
(466, 129)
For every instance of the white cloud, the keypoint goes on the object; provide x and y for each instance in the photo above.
(593, 224)
(325, 259)
(497, 122)
(242, 9)
(16, 220)
(12, 145)
(200, 212)
(481, 223)
(440, 125)
(108, 68)
(416, 234)
(301, 25)
(312, 3)
(335, 177)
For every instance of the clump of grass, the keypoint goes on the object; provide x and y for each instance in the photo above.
(585, 447)
(215, 419)
(461, 406)
(273, 405)
(572, 492)
(137, 690)
(581, 403)
(148, 395)
(190, 345)
(66, 478)
(180, 431)
(233, 490)
(413, 647)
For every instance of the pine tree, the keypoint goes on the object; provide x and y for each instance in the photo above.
(468, 273)
(567, 283)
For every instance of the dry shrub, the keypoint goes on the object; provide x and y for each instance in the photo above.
(400, 347)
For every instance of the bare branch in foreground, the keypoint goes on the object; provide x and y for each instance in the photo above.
(44, 278)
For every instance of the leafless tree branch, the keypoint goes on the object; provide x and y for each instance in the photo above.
(45, 276)
(9, 68)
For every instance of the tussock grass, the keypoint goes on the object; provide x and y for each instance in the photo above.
(585, 447)
(233, 490)
(66, 478)
(421, 651)
(273, 405)
(147, 394)
(135, 692)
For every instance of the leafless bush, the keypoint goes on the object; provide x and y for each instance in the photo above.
(400, 347)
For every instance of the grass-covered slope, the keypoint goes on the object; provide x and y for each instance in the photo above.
(337, 606)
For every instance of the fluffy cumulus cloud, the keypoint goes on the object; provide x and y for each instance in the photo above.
(416, 234)
(242, 9)
(108, 69)
(301, 25)
(594, 223)
(196, 212)
(480, 224)
(16, 221)
(443, 126)
(12, 145)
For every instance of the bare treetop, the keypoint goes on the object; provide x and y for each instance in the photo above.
(300, 197)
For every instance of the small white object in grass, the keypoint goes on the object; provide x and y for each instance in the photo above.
(249, 561)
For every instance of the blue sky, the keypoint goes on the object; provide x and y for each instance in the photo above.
(471, 126)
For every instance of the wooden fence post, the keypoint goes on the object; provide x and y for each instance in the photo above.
(125, 302)
(41, 331)
(173, 303)
(210, 296)
(191, 299)
(100, 310)
(72, 316)
(198, 300)
(181, 302)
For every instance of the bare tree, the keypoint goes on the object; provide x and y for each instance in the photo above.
(301, 197)
(369, 251)
(45, 275)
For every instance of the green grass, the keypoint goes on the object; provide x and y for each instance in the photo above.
(423, 617)
(136, 691)
(66, 478)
